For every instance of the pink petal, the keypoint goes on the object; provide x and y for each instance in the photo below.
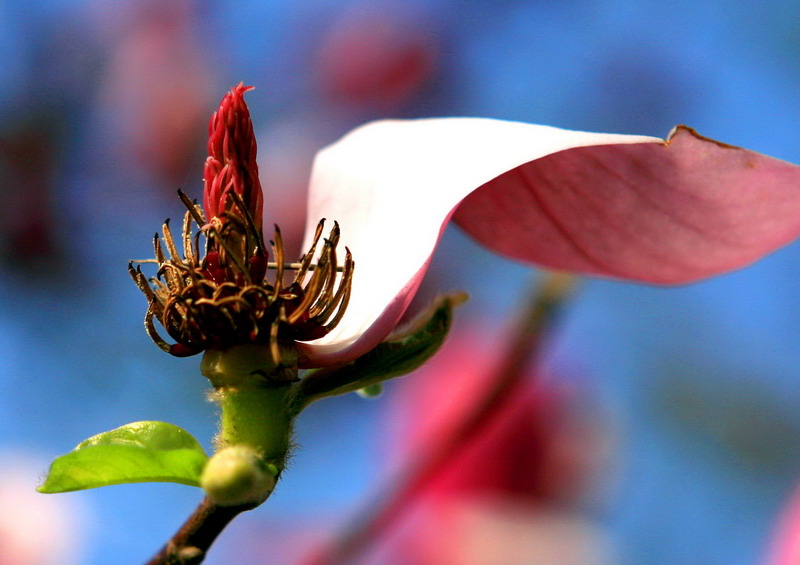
(670, 213)
(616, 205)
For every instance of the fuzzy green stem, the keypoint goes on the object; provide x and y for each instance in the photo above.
(255, 416)
(252, 391)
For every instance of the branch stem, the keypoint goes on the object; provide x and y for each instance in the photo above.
(189, 544)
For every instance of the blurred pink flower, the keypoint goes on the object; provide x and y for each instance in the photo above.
(503, 531)
(36, 529)
(622, 206)
(512, 492)
(785, 546)
(540, 446)
(157, 86)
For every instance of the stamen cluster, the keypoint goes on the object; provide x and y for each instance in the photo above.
(221, 297)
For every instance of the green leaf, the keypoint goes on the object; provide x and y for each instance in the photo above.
(401, 353)
(135, 453)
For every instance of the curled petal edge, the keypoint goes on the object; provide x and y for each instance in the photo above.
(621, 206)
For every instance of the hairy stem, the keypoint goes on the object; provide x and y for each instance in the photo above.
(523, 348)
(256, 416)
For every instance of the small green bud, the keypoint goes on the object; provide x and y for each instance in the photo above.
(236, 476)
(370, 391)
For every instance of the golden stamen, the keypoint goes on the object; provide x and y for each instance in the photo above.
(274, 265)
(171, 247)
(327, 259)
(305, 260)
(342, 296)
(188, 250)
(159, 251)
(193, 208)
(277, 247)
(150, 328)
(310, 294)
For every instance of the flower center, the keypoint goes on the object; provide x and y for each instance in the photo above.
(223, 297)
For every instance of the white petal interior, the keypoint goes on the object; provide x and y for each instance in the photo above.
(392, 185)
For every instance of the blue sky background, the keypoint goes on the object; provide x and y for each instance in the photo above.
(701, 383)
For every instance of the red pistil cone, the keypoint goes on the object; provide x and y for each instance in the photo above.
(231, 164)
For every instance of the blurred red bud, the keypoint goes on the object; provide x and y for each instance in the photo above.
(376, 59)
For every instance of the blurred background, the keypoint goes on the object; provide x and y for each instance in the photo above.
(661, 425)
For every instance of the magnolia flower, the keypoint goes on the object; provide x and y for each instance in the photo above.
(630, 207)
